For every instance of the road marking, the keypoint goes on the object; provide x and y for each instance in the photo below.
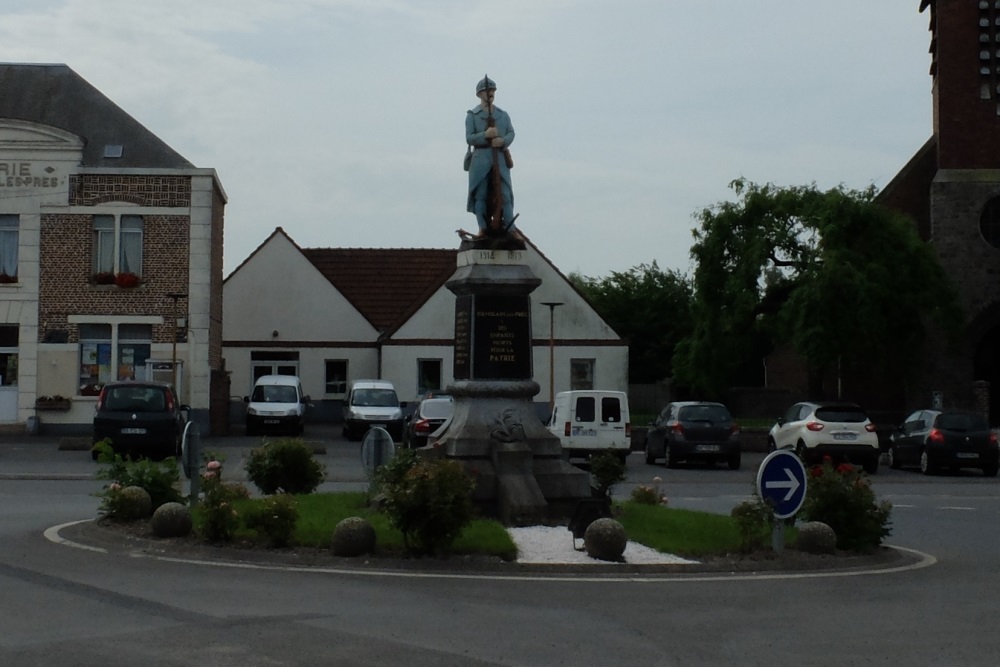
(957, 508)
(52, 535)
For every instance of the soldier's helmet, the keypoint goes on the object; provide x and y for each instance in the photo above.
(486, 84)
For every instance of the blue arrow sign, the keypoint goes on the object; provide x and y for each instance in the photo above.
(781, 483)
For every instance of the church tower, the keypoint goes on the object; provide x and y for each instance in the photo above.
(960, 204)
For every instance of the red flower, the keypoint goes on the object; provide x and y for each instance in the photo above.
(845, 468)
(127, 280)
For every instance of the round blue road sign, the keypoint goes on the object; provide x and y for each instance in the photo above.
(781, 483)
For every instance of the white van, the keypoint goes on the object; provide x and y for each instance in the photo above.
(591, 421)
(372, 403)
(276, 404)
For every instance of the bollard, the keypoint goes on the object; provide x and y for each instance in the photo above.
(191, 460)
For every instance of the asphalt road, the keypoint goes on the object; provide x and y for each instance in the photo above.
(64, 605)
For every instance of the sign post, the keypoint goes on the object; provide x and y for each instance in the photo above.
(781, 484)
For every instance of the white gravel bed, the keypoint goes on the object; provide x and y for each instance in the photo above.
(548, 544)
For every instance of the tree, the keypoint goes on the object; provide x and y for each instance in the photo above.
(834, 274)
(648, 307)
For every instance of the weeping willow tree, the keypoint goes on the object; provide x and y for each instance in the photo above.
(832, 273)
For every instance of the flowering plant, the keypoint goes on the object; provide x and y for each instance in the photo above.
(127, 280)
(649, 494)
(841, 497)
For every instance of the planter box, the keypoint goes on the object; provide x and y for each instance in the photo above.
(63, 405)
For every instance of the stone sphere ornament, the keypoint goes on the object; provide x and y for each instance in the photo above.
(605, 539)
(353, 536)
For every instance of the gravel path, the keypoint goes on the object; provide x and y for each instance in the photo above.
(545, 544)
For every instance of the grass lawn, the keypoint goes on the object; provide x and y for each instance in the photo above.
(675, 531)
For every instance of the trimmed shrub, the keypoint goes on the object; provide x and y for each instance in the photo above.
(274, 518)
(606, 470)
(285, 465)
(130, 504)
(220, 519)
(430, 502)
(755, 523)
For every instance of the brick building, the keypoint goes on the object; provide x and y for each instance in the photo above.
(951, 188)
(110, 256)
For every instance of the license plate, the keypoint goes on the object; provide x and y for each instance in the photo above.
(270, 421)
(845, 436)
(133, 431)
(967, 455)
(706, 448)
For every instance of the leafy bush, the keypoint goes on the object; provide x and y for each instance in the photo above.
(842, 498)
(220, 518)
(606, 469)
(274, 518)
(755, 523)
(286, 465)
(160, 479)
(430, 502)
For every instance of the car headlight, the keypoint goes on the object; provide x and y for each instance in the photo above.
(252, 411)
(291, 413)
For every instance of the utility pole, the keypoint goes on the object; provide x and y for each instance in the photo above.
(175, 297)
(552, 352)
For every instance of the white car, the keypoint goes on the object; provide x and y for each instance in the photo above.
(838, 430)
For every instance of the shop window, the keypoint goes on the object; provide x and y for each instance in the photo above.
(8, 356)
(105, 357)
(95, 358)
(8, 248)
(428, 376)
(336, 376)
(118, 244)
(134, 343)
(581, 373)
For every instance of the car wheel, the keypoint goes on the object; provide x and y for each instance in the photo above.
(800, 451)
(991, 470)
(926, 466)
(734, 461)
(251, 430)
(650, 459)
(892, 459)
(668, 461)
(871, 465)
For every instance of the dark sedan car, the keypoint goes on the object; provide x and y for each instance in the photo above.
(936, 439)
(430, 414)
(694, 431)
(141, 419)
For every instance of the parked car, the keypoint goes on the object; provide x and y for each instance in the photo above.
(694, 431)
(276, 404)
(429, 416)
(937, 439)
(370, 404)
(838, 430)
(141, 419)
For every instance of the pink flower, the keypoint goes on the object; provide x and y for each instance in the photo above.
(115, 486)
(213, 465)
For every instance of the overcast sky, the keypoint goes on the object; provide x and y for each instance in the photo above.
(343, 121)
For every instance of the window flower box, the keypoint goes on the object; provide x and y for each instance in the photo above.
(103, 278)
(53, 403)
(7, 278)
(127, 280)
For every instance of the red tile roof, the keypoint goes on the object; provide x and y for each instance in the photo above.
(386, 285)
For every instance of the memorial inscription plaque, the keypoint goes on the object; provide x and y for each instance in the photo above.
(493, 337)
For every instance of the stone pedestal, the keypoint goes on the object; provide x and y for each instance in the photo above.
(496, 434)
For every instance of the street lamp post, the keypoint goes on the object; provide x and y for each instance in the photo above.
(175, 297)
(552, 352)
